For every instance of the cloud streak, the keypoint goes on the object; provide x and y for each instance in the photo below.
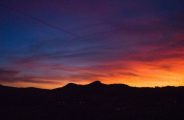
(136, 43)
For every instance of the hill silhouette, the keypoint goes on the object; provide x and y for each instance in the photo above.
(95, 101)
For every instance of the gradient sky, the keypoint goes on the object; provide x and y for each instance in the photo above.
(49, 43)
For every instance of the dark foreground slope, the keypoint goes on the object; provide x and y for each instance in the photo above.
(95, 101)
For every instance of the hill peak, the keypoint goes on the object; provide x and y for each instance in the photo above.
(96, 83)
(69, 85)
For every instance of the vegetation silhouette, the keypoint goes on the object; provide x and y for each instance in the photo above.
(95, 101)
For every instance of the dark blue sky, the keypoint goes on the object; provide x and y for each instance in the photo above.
(48, 43)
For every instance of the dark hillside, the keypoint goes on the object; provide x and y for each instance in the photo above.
(95, 101)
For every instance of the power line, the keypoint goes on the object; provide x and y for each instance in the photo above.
(41, 21)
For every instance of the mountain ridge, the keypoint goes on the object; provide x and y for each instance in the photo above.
(94, 84)
(94, 101)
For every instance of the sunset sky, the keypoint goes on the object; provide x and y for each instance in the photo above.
(49, 43)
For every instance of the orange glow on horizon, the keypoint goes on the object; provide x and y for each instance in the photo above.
(158, 73)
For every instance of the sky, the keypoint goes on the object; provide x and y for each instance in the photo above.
(50, 43)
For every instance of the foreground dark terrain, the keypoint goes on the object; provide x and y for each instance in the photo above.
(95, 101)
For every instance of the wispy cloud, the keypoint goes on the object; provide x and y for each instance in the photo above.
(125, 41)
